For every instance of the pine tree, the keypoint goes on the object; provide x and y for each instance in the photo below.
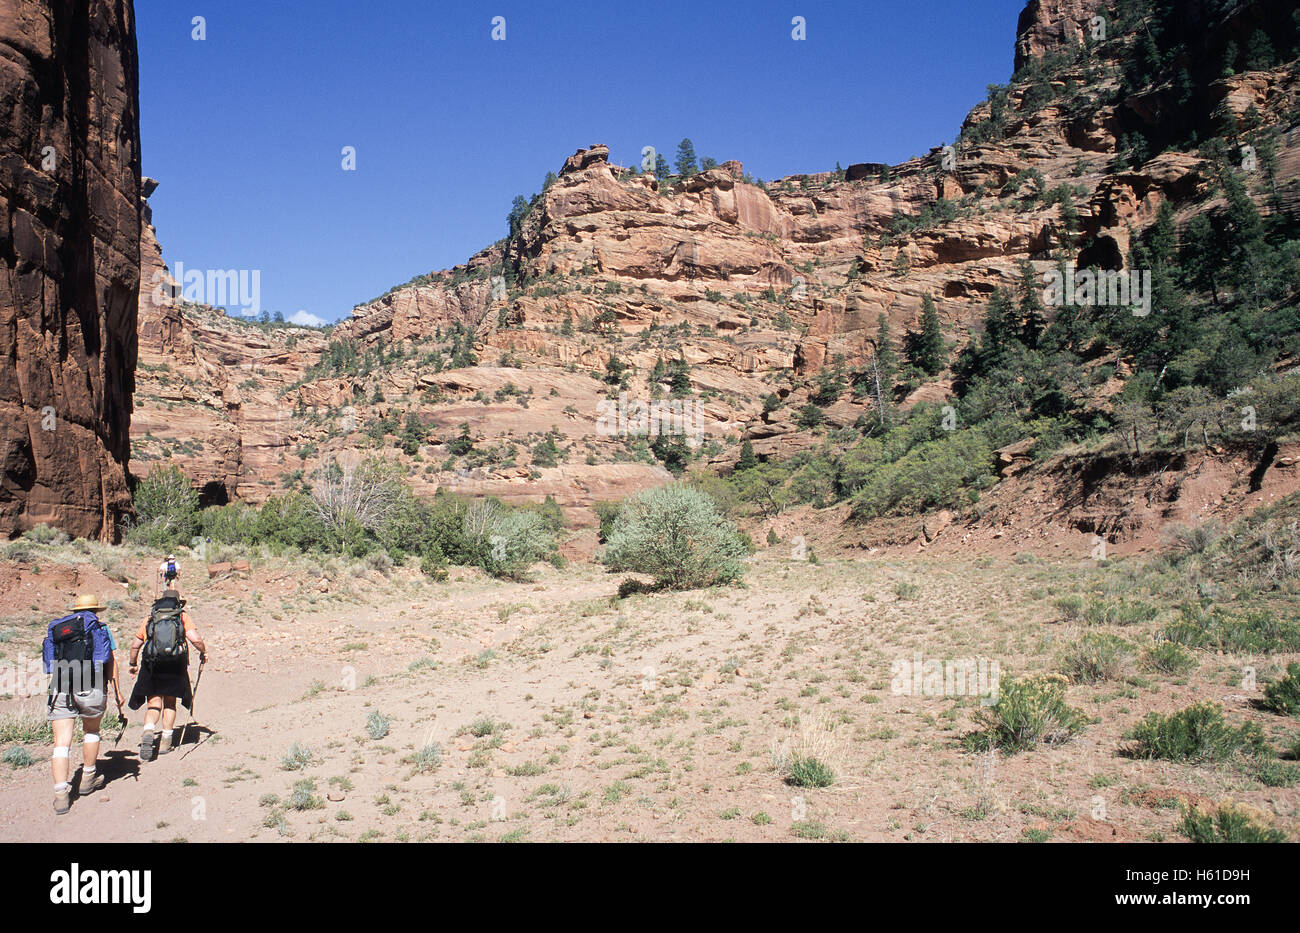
(662, 171)
(686, 158)
(931, 353)
(1030, 311)
(747, 460)
(999, 330)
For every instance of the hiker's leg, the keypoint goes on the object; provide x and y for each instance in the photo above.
(62, 744)
(90, 743)
(168, 713)
(152, 712)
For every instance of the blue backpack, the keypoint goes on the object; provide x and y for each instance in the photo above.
(73, 640)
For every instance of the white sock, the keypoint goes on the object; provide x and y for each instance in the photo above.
(88, 769)
(148, 727)
(61, 786)
(167, 733)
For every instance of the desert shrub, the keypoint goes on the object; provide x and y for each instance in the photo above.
(606, 513)
(1165, 657)
(1197, 733)
(808, 772)
(1071, 607)
(290, 521)
(1029, 710)
(17, 757)
(44, 534)
(1273, 773)
(1227, 823)
(433, 563)
(1118, 612)
(1250, 630)
(933, 475)
(304, 797)
(298, 758)
(377, 725)
(166, 509)
(1183, 541)
(506, 542)
(1096, 657)
(676, 535)
(229, 524)
(1282, 696)
(429, 758)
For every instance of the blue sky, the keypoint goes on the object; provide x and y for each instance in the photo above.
(245, 129)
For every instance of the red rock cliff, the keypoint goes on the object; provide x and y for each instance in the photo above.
(70, 255)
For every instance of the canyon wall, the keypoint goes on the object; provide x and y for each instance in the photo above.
(70, 261)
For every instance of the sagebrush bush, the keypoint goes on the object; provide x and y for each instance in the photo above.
(1196, 733)
(507, 541)
(1029, 710)
(1282, 696)
(676, 535)
(1227, 823)
(1096, 657)
(166, 509)
(44, 534)
(1165, 657)
(377, 725)
(1242, 631)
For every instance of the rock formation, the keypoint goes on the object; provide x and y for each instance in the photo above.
(70, 215)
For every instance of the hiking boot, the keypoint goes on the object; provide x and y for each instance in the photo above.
(62, 801)
(165, 745)
(149, 745)
(95, 782)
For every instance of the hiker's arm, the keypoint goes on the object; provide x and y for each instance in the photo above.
(197, 641)
(136, 644)
(112, 675)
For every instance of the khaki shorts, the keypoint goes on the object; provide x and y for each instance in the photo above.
(87, 703)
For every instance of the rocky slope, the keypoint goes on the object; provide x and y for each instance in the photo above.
(754, 287)
(69, 212)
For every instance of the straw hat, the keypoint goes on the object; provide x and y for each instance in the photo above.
(88, 601)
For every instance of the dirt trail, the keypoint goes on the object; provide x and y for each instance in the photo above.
(562, 714)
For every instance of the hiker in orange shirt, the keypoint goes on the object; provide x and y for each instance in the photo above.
(164, 677)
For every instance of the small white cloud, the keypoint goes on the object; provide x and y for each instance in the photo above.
(305, 319)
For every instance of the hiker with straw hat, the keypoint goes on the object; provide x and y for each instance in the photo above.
(79, 657)
(164, 677)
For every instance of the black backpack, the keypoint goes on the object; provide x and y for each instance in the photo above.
(165, 647)
(74, 653)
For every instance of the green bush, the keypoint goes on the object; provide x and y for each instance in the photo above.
(506, 542)
(1028, 711)
(1197, 733)
(1239, 631)
(606, 513)
(1226, 824)
(1118, 612)
(1096, 657)
(808, 772)
(676, 535)
(378, 725)
(933, 475)
(166, 509)
(1282, 696)
(1165, 657)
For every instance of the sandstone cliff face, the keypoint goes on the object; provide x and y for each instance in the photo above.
(70, 215)
(755, 287)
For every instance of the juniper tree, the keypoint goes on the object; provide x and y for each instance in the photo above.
(685, 162)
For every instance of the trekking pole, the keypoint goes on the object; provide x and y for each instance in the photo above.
(194, 692)
(122, 716)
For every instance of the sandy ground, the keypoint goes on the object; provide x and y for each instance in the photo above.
(562, 713)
